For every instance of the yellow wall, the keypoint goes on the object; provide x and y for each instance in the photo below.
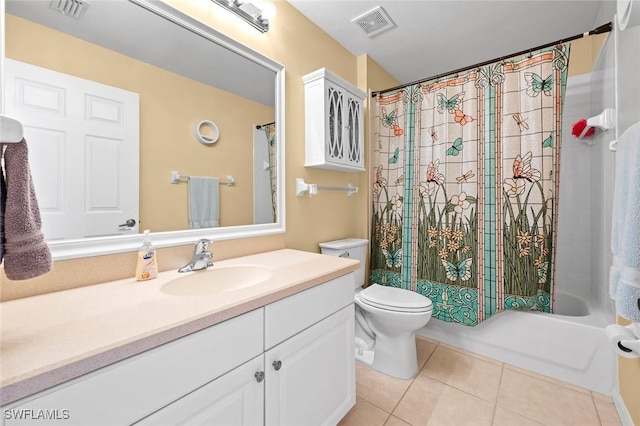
(584, 53)
(170, 106)
(629, 382)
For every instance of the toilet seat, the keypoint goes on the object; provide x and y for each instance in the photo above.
(395, 299)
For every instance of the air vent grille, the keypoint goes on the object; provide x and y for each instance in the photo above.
(374, 22)
(73, 8)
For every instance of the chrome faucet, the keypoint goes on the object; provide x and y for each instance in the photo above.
(200, 259)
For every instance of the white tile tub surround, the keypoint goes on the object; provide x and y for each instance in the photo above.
(575, 239)
(602, 89)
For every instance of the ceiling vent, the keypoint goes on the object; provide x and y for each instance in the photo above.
(72, 8)
(374, 22)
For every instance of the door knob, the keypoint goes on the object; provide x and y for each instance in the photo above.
(259, 376)
(128, 225)
(277, 365)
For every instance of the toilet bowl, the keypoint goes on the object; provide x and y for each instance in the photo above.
(386, 317)
(389, 319)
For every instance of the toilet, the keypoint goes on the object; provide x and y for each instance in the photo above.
(386, 317)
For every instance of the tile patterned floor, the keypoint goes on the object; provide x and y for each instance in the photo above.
(455, 387)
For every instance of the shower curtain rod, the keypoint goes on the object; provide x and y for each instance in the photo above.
(260, 126)
(600, 30)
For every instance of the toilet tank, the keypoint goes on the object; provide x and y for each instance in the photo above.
(352, 248)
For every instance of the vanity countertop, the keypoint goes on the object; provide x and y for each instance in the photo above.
(51, 338)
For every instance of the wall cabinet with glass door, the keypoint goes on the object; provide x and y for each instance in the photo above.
(334, 128)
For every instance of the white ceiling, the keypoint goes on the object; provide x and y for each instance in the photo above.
(433, 37)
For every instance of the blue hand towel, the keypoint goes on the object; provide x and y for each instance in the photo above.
(204, 202)
(624, 285)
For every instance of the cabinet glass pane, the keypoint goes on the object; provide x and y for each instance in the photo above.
(335, 124)
(354, 127)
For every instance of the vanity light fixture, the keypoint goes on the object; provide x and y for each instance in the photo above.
(256, 16)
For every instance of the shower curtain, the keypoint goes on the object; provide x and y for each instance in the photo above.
(270, 130)
(465, 186)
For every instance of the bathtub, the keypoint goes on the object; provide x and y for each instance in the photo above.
(569, 345)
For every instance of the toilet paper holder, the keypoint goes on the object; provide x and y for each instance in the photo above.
(626, 339)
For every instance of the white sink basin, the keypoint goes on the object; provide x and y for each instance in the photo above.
(217, 280)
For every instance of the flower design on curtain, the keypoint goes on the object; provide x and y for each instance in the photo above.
(465, 187)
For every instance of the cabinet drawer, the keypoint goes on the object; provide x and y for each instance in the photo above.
(135, 387)
(289, 316)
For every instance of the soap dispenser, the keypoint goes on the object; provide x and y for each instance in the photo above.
(147, 266)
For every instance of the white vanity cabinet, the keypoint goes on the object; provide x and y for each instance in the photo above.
(334, 128)
(310, 377)
(290, 362)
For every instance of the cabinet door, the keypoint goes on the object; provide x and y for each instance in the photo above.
(353, 131)
(335, 143)
(310, 378)
(237, 398)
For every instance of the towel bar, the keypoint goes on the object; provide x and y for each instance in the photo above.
(176, 177)
(302, 187)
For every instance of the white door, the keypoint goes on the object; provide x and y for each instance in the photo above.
(234, 399)
(310, 378)
(83, 140)
(262, 200)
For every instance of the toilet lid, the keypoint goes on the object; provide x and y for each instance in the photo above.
(396, 299)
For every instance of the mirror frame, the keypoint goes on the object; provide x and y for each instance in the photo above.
(87, 247)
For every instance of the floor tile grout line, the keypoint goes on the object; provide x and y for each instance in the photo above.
(553, 382)
(502, 364)
(413, 381)
(460, 390)
(547, 379)
(549, 383)
(596, 407)
(518, 414)
(495, 405)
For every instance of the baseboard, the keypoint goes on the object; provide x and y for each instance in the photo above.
(621, 408)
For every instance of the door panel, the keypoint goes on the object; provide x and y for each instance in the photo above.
(83, 148)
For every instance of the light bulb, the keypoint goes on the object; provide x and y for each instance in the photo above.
(268, 11)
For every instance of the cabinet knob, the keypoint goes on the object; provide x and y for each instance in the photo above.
(277, 365)
(259, 376)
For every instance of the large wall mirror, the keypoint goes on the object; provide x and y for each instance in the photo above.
(114, 96)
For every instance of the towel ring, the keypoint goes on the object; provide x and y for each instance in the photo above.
(211, 134)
